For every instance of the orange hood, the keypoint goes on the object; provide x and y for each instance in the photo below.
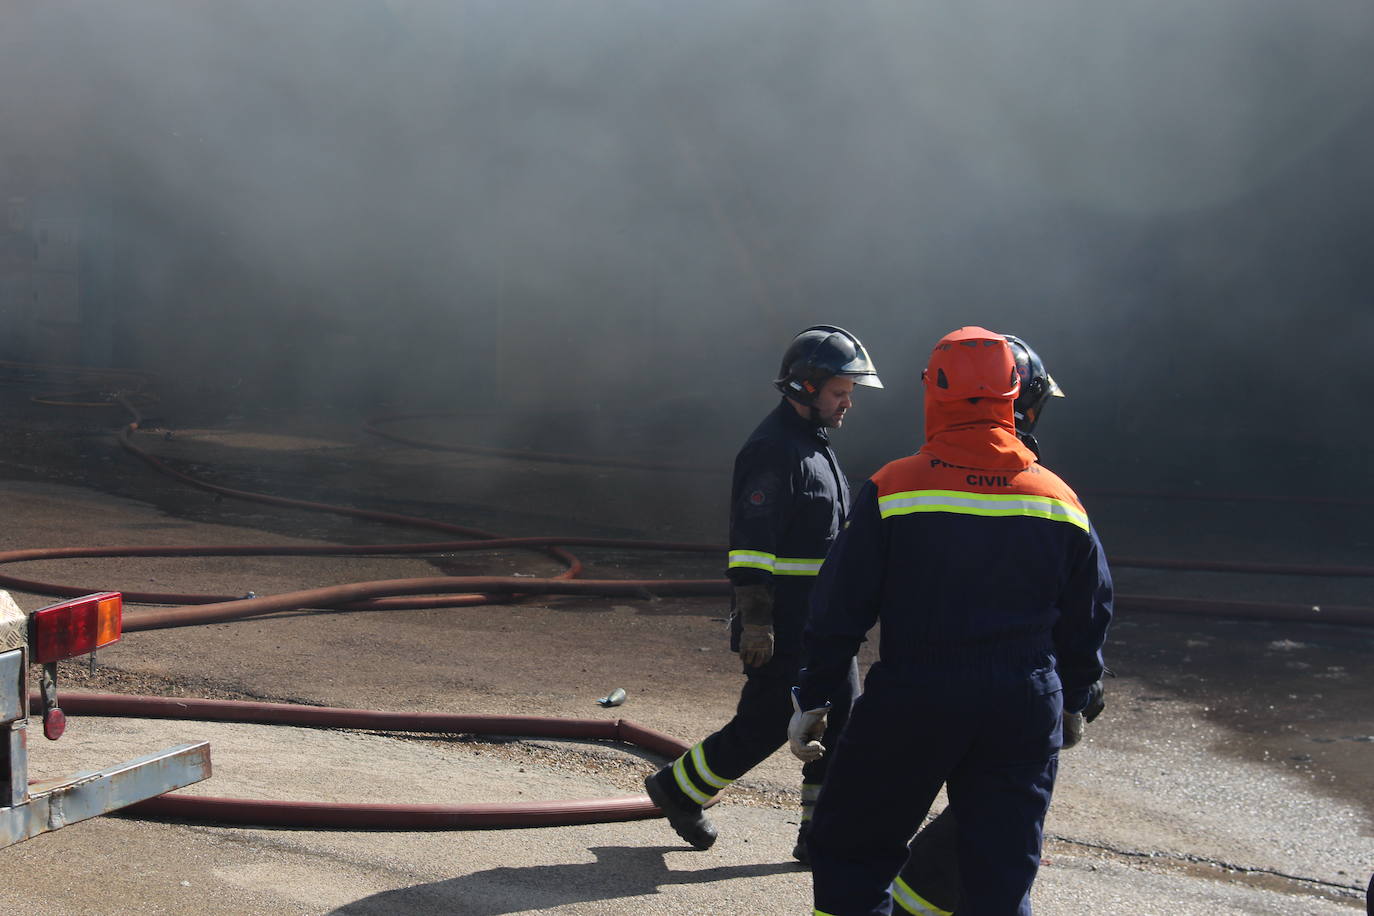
(975, 434)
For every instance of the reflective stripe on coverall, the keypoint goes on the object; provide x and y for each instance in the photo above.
(993, 597)
(788, 500)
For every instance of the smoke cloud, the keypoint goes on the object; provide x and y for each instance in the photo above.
(624, 210)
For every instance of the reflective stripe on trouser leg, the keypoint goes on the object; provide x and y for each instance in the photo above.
(879, 787)
(694, 777)
(932, 863)
(758, 728)
(913, 902)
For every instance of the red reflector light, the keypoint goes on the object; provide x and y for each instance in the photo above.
(75, 627)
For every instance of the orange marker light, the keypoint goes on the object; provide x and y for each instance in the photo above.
(75, 627)
(109, 620)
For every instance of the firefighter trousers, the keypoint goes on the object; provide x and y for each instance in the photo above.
(928, 884)
(759, 728)
(995, 748)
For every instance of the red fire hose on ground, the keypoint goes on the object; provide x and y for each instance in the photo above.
(463, 591)
(452, 591)
(315, 815)
(385, 594)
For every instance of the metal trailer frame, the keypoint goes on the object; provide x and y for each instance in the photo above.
(29, 810)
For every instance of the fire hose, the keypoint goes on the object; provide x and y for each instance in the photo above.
(453, 591)
(385, 594)
(352, 816)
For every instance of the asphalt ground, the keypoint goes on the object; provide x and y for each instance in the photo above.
(1231, 773)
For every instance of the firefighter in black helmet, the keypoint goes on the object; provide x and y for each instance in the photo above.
(817, 355)
(1037, 387)
(788, 501)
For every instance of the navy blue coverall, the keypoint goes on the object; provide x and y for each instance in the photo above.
(788, 501)
(994, 598)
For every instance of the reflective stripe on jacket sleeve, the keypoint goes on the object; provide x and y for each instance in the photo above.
(778, 566)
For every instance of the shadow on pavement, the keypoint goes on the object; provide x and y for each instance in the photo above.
(618, 872)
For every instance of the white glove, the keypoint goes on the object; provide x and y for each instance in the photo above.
(805, 729)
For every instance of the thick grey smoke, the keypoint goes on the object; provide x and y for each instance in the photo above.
(626, 208)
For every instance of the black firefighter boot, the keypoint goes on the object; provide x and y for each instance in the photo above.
(799, 851)
(684, 816)
(810, 791)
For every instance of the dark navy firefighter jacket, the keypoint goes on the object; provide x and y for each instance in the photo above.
(787, 503)
(975, 573)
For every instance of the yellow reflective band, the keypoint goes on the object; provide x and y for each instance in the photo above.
(752, 559)
(711, 779)
(684, 782)
(913, 902)
(986, 504)
(797, 566)
(820, 913)
(778, 566)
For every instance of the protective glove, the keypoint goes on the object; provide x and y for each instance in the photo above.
(805, 729)
(1096, 702)
(1074, 721)
(1073, 729)
(754, 604)
(756, 645)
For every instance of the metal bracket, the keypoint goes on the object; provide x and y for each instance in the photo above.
(54, 719)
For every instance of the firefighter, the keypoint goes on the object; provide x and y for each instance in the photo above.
(929, 881)
(994, 598)
(788, 501)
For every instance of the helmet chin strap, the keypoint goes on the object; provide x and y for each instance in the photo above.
(812, 415)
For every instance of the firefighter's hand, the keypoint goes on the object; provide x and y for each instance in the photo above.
(756, 644)
(1096, 702)
(754, 605)
(1073, 729)
(1074, 721)
(805, 730)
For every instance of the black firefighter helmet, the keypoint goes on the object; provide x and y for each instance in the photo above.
(818, 354)
(1037, 385)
